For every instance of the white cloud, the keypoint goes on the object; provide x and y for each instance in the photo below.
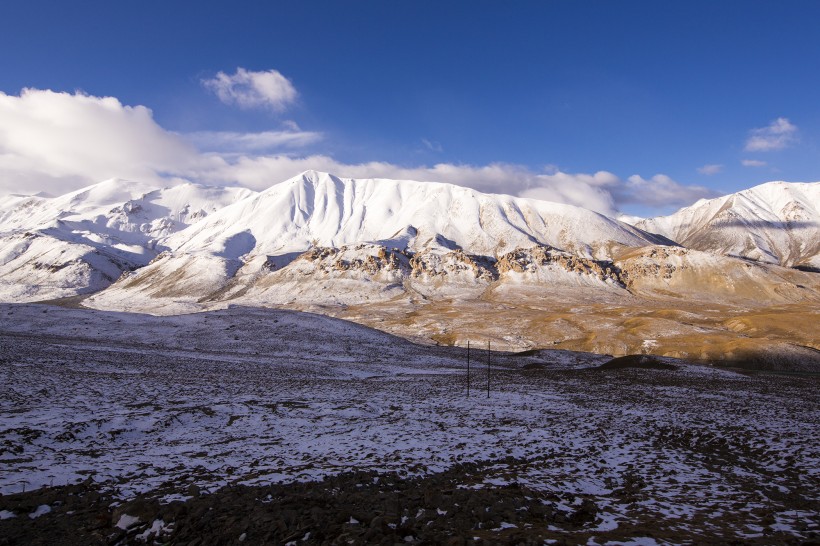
(659, 191)
(753, 163)
(592, 191)
(248, 89)
(777, 135)
(228, 141)
(57, 142)
(710, 169)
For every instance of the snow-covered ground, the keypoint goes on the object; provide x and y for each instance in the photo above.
(253, 396)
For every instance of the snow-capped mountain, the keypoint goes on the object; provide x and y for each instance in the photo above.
(777, 222)
(319, 209)
(316, 228)
(82, 241)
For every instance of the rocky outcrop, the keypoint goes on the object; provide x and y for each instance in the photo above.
(659, 262)
(365, 258)
(376, 260)
(528, 260)
(453, 267)
(435, 265)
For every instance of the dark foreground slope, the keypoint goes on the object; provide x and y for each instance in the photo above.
(453, 507)
(199, 430)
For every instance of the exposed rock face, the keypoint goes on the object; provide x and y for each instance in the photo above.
(365, 258)
(527, 260)
(130, 207)
(655, 262)
(159, 257)
(435, 266)
(455, 264)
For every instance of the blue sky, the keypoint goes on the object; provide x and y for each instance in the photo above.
(688, 91)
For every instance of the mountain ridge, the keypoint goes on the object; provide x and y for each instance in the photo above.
(320, 209)
(226, 240)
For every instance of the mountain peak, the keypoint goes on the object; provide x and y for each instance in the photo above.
(775, 222)
(314, 176)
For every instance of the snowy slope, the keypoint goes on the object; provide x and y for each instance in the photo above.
(82, 241)
(319, 209)
(777, 222)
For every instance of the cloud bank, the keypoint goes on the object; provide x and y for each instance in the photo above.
(247, 89)
(60, 141)
(57, 142)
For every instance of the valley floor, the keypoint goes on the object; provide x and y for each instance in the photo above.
(123, 428)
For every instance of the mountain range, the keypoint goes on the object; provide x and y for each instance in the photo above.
(416, 258)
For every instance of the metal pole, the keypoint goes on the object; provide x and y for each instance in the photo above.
(488, 368)
(468, 368)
